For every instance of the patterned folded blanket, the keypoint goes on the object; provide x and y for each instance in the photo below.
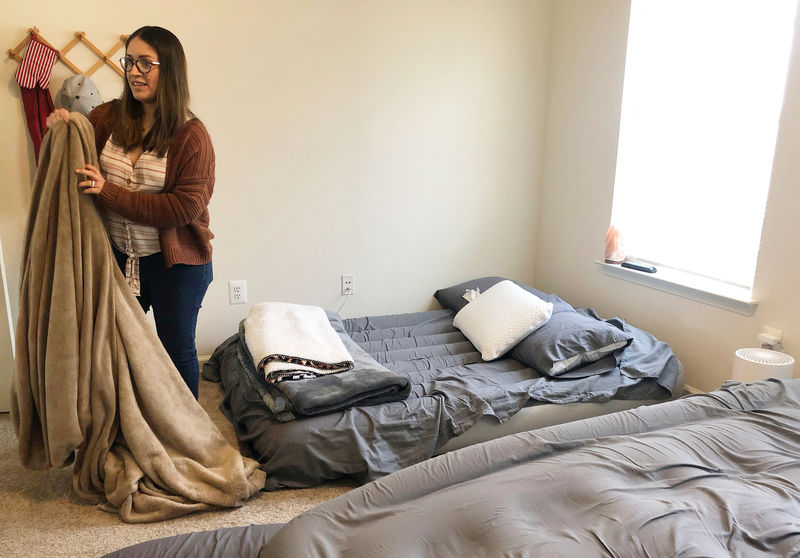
(294, 342)
(368, 383)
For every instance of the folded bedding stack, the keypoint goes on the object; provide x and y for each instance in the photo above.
(294, 342)
(301, 361)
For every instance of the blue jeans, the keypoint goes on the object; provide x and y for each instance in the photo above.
(175, 294)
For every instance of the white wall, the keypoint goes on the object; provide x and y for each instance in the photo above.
(351, 133)
(6, 340)
(587, 67)
(399, 141)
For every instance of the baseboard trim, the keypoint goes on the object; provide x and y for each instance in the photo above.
(691, 389)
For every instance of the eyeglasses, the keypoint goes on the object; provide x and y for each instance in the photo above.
(143, 64)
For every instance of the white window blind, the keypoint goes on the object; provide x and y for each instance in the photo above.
(702, 96)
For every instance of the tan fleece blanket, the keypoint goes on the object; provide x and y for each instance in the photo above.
(93, 385)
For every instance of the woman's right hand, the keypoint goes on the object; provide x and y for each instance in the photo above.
(56, 115)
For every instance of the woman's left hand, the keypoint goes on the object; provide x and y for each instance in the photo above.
(93, 181)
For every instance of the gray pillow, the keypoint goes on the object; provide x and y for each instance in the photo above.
(569, 340)
(453, 297)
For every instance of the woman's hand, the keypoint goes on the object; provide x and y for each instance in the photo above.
(93, 181)
(56, 115)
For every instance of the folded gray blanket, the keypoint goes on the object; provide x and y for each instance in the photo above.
(368, 383)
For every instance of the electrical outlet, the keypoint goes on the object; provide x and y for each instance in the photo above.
(770, 337)
(237, 292)
(348, 284)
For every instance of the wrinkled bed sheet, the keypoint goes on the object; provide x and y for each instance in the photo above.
(707, 475)
(451, 388)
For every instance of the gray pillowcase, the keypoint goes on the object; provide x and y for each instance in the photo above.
(453, 297)
(568, 340)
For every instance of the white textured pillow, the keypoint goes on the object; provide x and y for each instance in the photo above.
(501, 317)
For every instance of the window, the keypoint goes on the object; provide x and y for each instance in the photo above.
(702, 96)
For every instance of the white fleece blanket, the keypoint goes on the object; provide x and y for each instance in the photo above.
(294, 342)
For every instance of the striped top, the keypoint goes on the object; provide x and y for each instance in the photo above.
(146, 176)
(181, 211)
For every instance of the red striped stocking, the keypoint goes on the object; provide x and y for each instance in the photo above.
(33, 77)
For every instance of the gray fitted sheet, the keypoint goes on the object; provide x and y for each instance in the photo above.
(452, 391)
(707, 475)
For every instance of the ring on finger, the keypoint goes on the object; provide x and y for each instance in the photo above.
(92, 184)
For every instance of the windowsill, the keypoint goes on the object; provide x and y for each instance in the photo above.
(708, 291)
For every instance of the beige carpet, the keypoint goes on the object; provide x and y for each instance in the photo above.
(40, 517)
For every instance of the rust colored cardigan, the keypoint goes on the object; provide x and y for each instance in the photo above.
(180, 212)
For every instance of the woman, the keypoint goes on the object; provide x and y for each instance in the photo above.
(153, 187)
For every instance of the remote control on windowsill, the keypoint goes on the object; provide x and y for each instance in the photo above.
(639, 266)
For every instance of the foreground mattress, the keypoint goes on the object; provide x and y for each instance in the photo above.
(452, 390)
(241, 542)
(706, 475)
(710, 475)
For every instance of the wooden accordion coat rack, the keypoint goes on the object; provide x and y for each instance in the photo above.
(80, 37)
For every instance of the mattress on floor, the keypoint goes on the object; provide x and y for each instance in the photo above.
(707, 475)
(453, 390)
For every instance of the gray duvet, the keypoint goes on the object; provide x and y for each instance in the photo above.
(707, 475)
(451, 389)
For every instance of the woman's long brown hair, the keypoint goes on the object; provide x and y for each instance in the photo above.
(172, 96)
